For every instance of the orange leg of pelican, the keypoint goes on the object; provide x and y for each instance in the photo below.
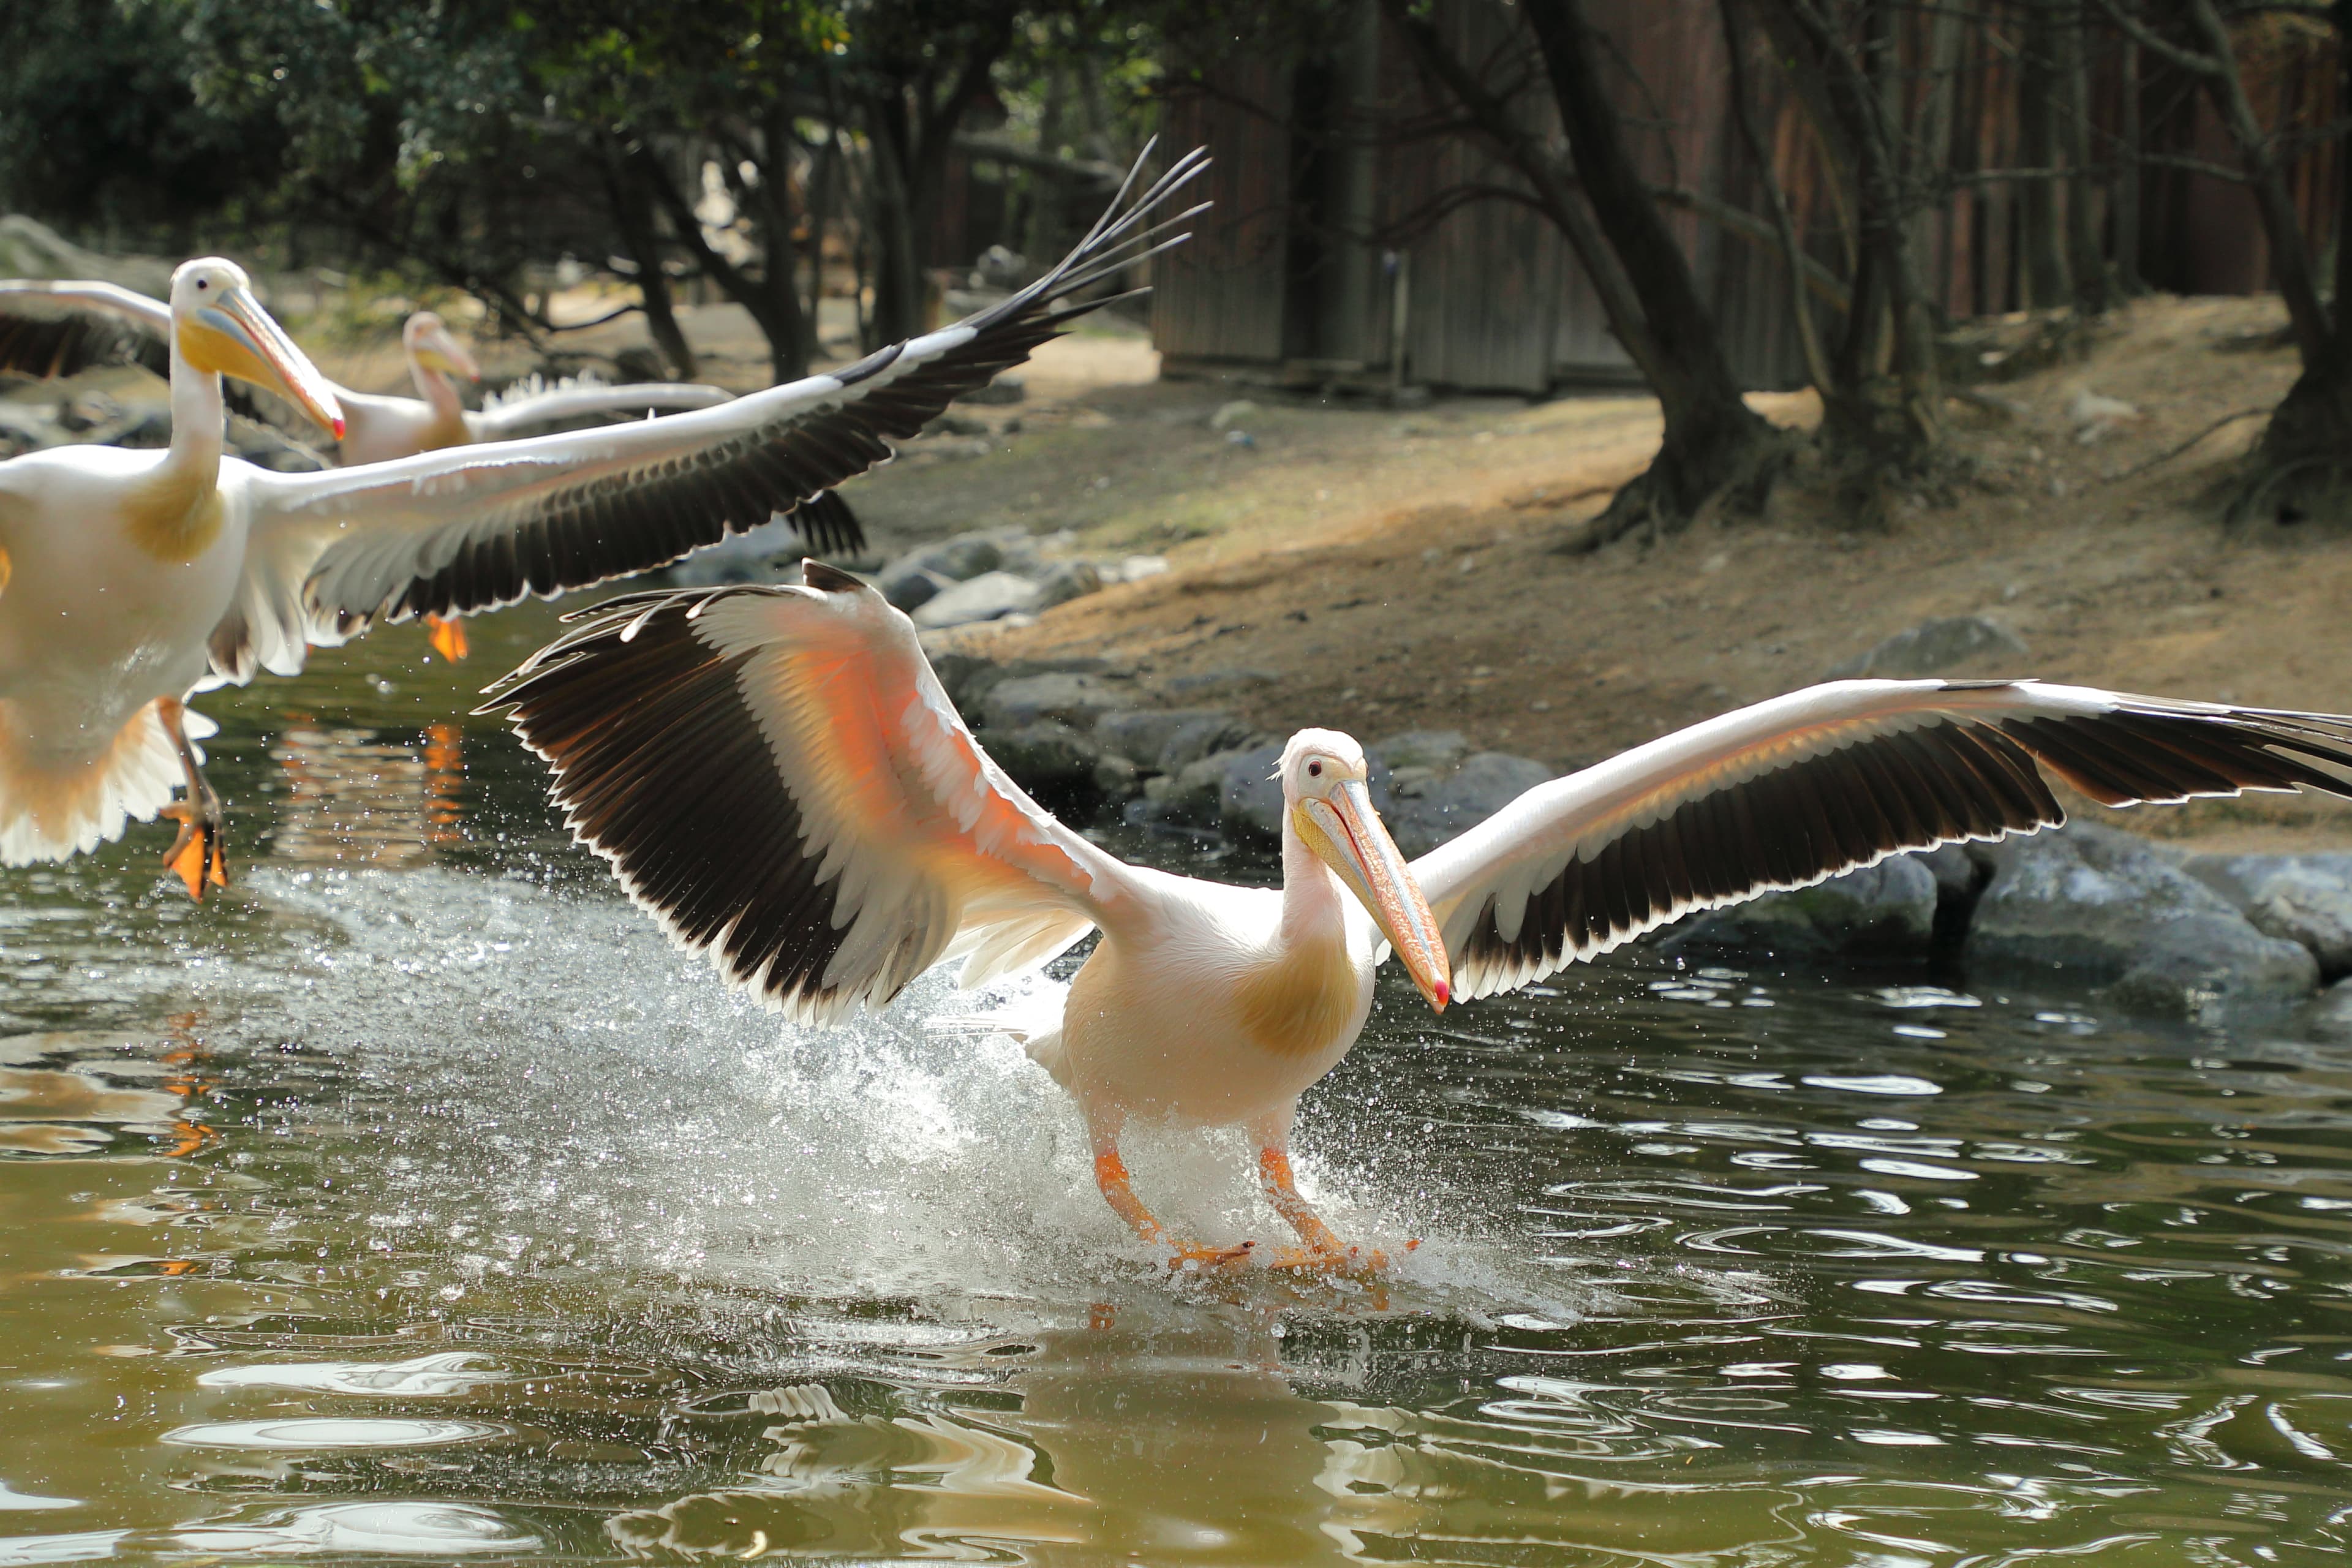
(448, 636)
(1323, 1250)
(196, 853)
(1110, 1176)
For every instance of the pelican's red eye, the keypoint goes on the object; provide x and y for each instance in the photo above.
(1315, 769)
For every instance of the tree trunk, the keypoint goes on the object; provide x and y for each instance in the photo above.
(769, 301)
(1715, 448)
(1792, 250)
(897, 272)
(2041, 239)
(2304, 461)
(640, 232)
(2088, 267)
(1880, 430)
(2128, 274)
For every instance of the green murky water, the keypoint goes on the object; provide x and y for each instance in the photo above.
(415, 1201)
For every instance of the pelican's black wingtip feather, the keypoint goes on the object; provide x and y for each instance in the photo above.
(580, 535)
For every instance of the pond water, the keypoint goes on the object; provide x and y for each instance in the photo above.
(415, 1200)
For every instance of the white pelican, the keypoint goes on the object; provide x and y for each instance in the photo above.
(776, 775)
(50, 328)
(58, 328)
(141, 577)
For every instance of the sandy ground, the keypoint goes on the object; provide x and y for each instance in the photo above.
(1401, 570)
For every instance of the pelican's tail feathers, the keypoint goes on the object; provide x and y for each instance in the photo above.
(57, 802)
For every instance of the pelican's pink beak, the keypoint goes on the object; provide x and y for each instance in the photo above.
(233, 335)
(1347, 836)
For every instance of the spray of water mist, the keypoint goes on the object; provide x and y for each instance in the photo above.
(556, 1067)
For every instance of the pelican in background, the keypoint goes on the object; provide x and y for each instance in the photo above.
(778, 777)
(59, 327)
(139, 577)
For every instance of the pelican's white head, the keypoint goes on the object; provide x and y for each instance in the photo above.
(1327, 796)
(220, 327)
(432, 346)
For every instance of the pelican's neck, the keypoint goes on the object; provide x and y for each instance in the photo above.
(199, 421)
(440, 395)
(1314, 903)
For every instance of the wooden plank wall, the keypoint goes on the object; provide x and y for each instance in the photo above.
(1219, 297)
(1499, 303)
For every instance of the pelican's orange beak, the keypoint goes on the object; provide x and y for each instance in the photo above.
(1346, 835)
(437, 348)
(233, 335)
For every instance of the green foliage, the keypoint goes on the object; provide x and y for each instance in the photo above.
(101, 125)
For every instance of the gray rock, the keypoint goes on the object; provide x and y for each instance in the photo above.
(960, 559)
(1932, 648)
(1447, 804)
(1424, 748)
(1202, 735)
(1959, 870)
(1070, 580)
(151, 428)
(1077, 701)
(2209, 965)
(966, 677)
(1047, 755)
(1889, 908)
(1115, 778)
(2305, 898)
(1135, 568)
(753, 556)
(87, 412)
(2102, 903)
(986, 598)
(1250, 797)
(1214, 680)
(954, 424)
(1193, 798)
(1008, 387)
(2330, 1016)
(910, 588)
(1019, 553)
(1140, 734)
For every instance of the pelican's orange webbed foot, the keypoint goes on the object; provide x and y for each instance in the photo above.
(195, 856)
(1208, 1260)
(1340, 1262)
(448, 638)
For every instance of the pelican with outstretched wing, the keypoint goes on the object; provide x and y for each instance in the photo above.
(54, 328)
(776, 775)
(137, 579)
(58, 327)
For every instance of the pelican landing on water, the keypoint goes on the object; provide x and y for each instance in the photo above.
(778, 777)
(129, 580)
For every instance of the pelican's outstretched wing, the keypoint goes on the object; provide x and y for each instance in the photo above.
(63, 327)
(1795, 790)
(504, 418)
(474, 527)
(777, 776)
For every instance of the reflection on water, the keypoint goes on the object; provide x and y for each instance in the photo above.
(351, 799)
(414, 1201)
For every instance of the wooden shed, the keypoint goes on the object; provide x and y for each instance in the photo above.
(1345, 248)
